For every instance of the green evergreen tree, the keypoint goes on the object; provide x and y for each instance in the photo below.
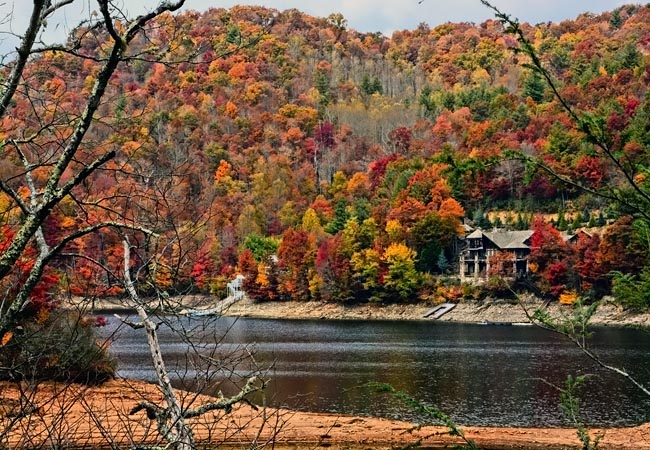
(521, 224)
(362, 209)
(632, 291)
(428, 257)
(322, 85)
(562, 223)
(366, 85)
(481, 220)
(576, 222)
(616, 20)
(449, 100)
(377, 87)
(427, 103)
(534, 87)
(631, 57)
(371, 86)
(443, 263)
(592, 221)
(521, 117)
(341, 216)
(233, 34)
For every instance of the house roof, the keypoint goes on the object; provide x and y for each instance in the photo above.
(510, 240)
(568, 237)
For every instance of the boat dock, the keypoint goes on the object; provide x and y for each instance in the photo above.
(439, 310)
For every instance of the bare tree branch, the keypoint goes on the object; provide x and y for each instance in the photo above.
(35, 23)
(57, 6)
(108, 20)
(575, 329)
(22, 298)
(253, 384)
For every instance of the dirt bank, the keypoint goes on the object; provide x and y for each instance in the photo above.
(74, 416)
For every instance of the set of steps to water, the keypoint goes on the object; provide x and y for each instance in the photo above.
(236, 293)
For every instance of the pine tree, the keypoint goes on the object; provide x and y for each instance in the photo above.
(341, 216)
(443, 263)
(534, 87)
(592, 222)
(616, 20)
(521, 224)
(577, 222)
(426, 101)
(562, 224)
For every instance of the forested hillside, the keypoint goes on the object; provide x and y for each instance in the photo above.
(324, 163)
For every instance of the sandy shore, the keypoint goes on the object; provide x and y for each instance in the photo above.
(73, 416)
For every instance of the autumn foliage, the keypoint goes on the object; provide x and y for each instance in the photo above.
(359, 154)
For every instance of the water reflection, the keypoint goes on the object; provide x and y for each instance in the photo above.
(487, 375)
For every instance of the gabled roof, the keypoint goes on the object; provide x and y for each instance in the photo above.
(509, 240)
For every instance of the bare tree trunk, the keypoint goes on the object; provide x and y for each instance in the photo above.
(179, 434)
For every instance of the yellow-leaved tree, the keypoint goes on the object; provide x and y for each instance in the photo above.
(401, 278)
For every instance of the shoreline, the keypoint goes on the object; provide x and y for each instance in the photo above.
(303, 430)
(495, 312)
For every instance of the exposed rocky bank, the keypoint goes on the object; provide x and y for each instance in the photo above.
(490, 311)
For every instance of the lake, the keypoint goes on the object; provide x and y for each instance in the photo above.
(480, 375)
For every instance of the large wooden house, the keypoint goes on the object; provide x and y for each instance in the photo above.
(481, 246)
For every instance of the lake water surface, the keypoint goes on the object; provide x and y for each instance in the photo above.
(480, 375)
